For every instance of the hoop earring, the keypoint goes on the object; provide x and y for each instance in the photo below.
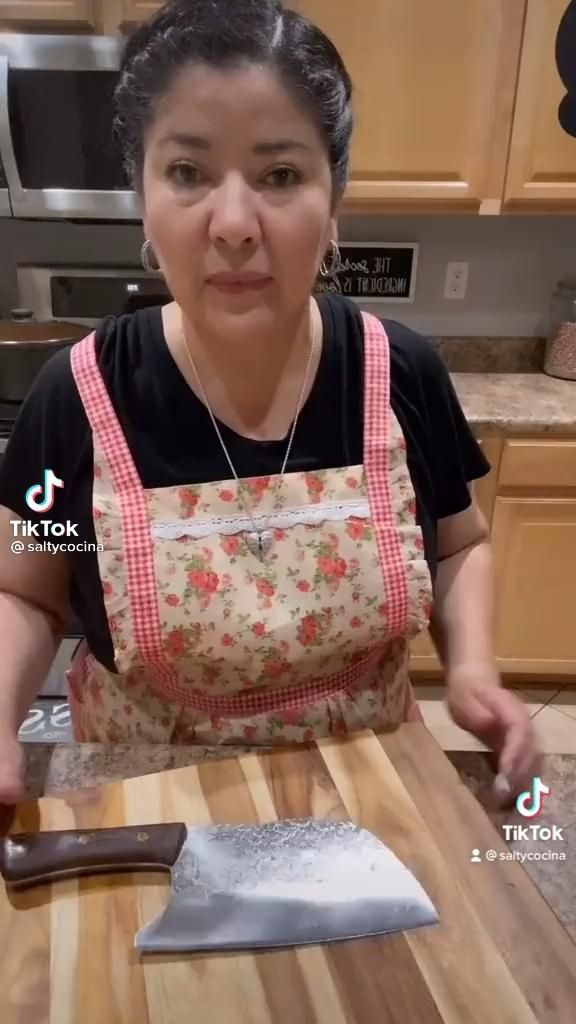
(335, 261)
(145, 253)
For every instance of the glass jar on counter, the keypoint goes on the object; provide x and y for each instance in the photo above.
(560, 358)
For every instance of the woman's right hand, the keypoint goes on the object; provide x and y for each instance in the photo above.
(12, 787)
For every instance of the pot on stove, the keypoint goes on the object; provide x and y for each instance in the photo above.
(26, 344)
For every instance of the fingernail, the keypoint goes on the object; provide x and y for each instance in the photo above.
(501, 786)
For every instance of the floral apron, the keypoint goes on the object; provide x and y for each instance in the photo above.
(213, 645)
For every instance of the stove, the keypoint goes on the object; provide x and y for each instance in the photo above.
(82, 294)
(48, 721)
(8, 415)
(54, 684)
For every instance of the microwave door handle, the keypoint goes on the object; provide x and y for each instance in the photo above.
(6, 145)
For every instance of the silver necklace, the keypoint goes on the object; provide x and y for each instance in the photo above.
(258, 541)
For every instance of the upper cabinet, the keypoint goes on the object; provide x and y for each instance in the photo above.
(434, 88)
(130, 12)
(542, 166)
(457, 102)
(108, 17)
(49, 14)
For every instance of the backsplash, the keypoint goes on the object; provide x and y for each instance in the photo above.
(492, 355)
(515, 262)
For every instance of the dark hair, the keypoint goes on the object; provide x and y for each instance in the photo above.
(225, 34)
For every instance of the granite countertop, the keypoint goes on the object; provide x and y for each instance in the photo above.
(53, 769)
(502, 387)
(520, 402)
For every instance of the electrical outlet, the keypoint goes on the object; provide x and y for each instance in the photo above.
(456, 280)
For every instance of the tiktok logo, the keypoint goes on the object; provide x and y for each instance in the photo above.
(34, 498)
(529, 804)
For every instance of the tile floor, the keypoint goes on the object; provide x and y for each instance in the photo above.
(552, 707)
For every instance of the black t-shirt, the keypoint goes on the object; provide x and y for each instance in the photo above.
(173, 442)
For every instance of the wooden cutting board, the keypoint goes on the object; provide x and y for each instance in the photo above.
(498, 956)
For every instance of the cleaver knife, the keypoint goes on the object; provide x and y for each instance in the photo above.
(291, 882)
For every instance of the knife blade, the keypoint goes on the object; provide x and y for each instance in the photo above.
(284, 883)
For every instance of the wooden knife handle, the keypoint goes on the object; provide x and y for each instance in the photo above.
(32, 858)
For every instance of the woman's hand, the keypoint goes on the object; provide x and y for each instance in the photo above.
(12, 788)
(478, 703)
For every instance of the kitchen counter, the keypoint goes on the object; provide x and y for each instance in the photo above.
(53, 769)
(519, 402)
(71, 949)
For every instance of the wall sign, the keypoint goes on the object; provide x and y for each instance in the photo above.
(375, 272)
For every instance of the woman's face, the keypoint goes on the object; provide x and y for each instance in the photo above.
(236, 179)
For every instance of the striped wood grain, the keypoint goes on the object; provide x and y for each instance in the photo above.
(498, 956)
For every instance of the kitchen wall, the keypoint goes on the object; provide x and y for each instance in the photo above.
(515, 262)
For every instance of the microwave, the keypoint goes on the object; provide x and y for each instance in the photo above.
(56, 148)
(87, 294)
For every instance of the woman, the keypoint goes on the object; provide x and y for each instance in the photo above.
(277, 483)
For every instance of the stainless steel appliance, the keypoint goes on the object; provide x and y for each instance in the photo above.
(26, 344)
(56, 145)
(82, 295)
(5, 208)
(8, 414)
(55, 683)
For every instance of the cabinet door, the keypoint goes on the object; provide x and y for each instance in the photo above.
(77, 13)
(423, 657)
(485, 488)
(434, 93)
(534, 544)
(133, 11)
(542, 166)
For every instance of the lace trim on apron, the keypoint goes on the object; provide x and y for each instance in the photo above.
(311, 515)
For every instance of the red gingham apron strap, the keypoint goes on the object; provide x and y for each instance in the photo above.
(136, 534)
(376, 455)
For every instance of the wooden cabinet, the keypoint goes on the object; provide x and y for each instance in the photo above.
(542, 165)
(423, 657)
(434, 91)
(130, 12)
(109, 17)
(534, 542)
(49, 13)
(485, 488)
(529, 500)
(456, 103)
(547, 465)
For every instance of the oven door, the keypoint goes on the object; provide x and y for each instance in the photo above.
(5, 208)
(86, 295)
(56, 110)
(55, 683)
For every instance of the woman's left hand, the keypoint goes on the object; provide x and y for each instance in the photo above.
(478, 703)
